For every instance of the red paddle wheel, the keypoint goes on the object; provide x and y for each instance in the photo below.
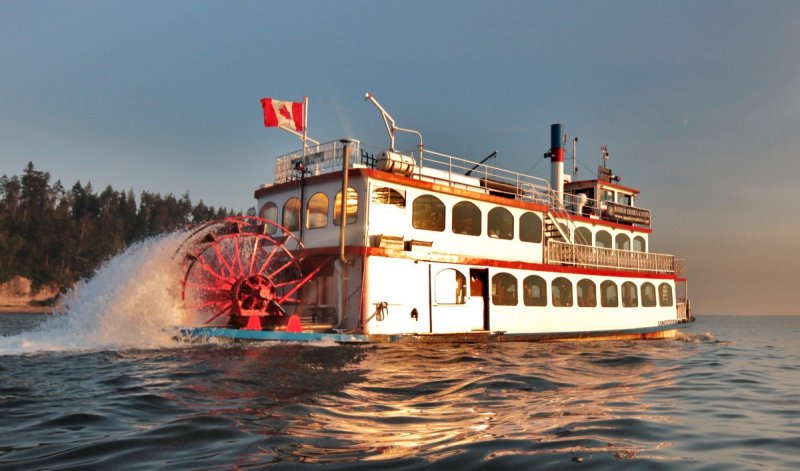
(240, 273)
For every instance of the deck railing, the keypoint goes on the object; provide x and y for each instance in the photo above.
(560, 253)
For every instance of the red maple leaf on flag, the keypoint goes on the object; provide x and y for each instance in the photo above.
(284, 111)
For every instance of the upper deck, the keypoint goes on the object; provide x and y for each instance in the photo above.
(568, 240)
(614, 205)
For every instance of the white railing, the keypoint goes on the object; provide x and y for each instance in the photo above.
(561, 253)
(484, 178)
(324, 158)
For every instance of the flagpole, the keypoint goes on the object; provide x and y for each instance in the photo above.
(305, 121)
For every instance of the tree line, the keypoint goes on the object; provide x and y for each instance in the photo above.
(57, 236)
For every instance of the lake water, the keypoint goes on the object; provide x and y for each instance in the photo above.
(105, 386)
(723, 396)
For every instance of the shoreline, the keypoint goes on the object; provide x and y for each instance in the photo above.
(26, 309)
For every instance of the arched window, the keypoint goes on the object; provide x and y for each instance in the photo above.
(665, 294)
(428, 213)
(587, 293)
(623, 242)
(269, 211)
(562, 292)
(603, 239)
(385, 195)
(583, 236)
(630, 297)
(351, 207)
(504, 290)
(648, 294)
(291, 215)
(639, 245)
(608, 294)
(501, 224)
(530, 228)
(450, 287)
(534, 291)
(466, 219)
(317, 211)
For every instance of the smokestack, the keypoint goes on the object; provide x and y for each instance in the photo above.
(557, 160)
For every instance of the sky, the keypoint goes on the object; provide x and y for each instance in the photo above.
(697, 101)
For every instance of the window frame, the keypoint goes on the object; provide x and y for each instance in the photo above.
(433, 206)
(310, 216)
(583, 295)
(496, 281)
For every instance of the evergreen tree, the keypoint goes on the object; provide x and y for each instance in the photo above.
(55, 236)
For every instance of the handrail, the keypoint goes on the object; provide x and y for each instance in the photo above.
(561, 253)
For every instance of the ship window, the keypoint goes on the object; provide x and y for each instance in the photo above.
(608, 294)
(466, 219)
(608, 195)
(291, 214)
(648, 295)
(504, 290)
(534, 291)
(639, 245)
(501, 224)
(562, 292)
(630, 296)
(428, 213)
(603, 239)
(269, 211)
(587, 293)
(351, 209)
(317, 211)
(386, 195)
(665, 294)
(451, 287)
(583, 236)
(623, 242)
(530, 228)
(624, 199)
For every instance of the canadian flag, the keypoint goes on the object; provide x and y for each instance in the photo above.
(283, 114)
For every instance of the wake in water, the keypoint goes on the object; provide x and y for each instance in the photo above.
(132, 301)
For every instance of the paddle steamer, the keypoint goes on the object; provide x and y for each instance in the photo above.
(424, 246)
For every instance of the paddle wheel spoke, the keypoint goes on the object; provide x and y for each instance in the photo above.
(206, 287)
(279, 270)
(238, 257)
(213, 302)
(268, 260)
(223, 311)
(222, 260)
(256, 244)
(205, 266)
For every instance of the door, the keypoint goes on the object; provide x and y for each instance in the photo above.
(453, 307)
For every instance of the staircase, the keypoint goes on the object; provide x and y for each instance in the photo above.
(553, 230)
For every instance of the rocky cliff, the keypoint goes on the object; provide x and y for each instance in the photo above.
(17, 295)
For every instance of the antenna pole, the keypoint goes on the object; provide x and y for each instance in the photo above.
(574, 156)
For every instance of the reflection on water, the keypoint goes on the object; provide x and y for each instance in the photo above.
(556, 397)
(704, 399)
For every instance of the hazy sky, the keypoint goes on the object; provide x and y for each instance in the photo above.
(698, 102)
